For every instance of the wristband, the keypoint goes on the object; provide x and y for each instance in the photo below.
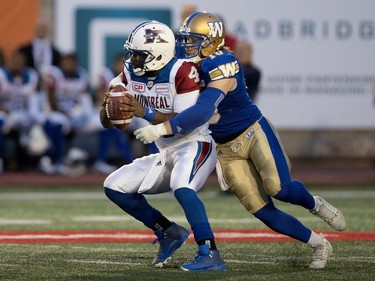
(150, 114)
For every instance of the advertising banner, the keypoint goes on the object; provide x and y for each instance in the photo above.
(317, 57)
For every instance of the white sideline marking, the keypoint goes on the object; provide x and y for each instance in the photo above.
(39, 196)
(72, 195)
(126, 218)
(272, 260)
(139, 236)
(23, 221)
(103, 218)
(104, 262)
(79, 236)
(249, 262)
(102, 249)
(351, 259)
(7, 264)
(355, 259)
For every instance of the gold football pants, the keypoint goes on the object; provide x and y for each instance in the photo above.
(254, 165)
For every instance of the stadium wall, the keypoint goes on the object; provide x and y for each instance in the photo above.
(318, 84)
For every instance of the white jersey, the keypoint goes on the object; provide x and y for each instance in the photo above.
(74, 103)
(69, 91)
(18, 91)
(19, 99)
(183, 160)
(173, 90)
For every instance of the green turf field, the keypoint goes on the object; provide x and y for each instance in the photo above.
(69, 208)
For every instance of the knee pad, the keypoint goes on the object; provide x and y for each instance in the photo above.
(285, 192)
(289, 189)
(294, 192)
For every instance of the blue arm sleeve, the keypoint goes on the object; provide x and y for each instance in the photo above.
(198, 114)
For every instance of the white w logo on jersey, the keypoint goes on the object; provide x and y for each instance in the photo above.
(229, 69)
(224, 71)
(216, 28)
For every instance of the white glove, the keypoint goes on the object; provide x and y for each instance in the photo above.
(150, 133)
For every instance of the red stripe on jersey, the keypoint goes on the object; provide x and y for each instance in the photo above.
(204, 150)
(124, 80)
(187, 78)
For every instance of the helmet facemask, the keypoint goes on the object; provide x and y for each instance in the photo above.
(139, 60)
(190, 45)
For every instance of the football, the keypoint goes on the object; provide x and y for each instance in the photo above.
(116, 105)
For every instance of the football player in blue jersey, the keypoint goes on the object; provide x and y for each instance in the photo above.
(252, 163)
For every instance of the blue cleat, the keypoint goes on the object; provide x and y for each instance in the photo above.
(170, 240)
(206, 260)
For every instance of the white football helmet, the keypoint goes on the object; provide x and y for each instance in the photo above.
(150, 46)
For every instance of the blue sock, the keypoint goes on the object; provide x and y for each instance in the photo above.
(123, 145)
(296, 193)
(135, 205)
(283, 223)
(114, 136)
(103, 144)
(195, 213)
(56, 135)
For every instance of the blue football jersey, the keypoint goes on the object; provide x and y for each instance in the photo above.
(236, 111)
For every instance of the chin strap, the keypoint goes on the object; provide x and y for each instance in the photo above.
(139, 71)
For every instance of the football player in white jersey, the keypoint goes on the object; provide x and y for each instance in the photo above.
(18, 102)
(163, 86)
(252, 163)
(70, 107)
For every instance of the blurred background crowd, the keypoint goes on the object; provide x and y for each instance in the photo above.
(49, 97)
(49, 116)
(49, 113)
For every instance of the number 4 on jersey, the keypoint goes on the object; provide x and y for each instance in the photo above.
(194, 74)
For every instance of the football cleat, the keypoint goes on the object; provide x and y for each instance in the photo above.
(320, 254)
(170, 240)
(331, 215)
(206, 260)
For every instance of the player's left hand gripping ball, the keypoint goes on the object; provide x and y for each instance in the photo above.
(116, 107)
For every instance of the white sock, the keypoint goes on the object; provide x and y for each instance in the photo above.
(315, 240)
(317, 204)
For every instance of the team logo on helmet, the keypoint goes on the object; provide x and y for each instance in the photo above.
(153, 36)
(216, 28)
